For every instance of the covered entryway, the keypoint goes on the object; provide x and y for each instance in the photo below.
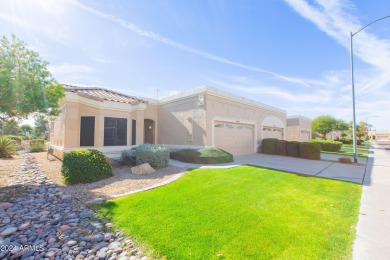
(272, 132)
(273, 127)
(235, 138)
(149, 131)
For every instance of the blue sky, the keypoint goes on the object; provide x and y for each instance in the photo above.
(290, 54)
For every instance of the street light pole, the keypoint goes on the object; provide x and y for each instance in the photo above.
(353, 89)
(353, 107)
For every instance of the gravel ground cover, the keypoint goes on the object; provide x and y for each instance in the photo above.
(45, 222)
(121, 183)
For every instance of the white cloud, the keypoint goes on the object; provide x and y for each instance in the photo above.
(186, 48)
(335, 19)
(67, 68)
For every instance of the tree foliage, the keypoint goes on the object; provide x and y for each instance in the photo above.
(26, 130)
(361, 129)
(26, 85)
(326, 124)
(41, 129)
(323, 125)
(10, 127)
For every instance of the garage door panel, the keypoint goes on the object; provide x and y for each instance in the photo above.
(234, 138)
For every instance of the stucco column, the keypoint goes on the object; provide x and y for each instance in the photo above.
(140, 115)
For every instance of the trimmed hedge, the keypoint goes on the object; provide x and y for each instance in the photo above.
(202, 156)
(268, 145)
(311, 151)
(156, 155)
(293, 149)
(348, 140)
(281, 147)
(83, 166)
(37, 142)
(36, 148)
(328, 145)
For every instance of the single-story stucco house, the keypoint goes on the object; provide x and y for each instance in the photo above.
(382, 137)
(109, 121)
(298, 128)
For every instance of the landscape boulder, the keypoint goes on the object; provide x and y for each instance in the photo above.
(142, 169)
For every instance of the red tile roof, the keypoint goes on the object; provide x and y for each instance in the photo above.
(101, 94)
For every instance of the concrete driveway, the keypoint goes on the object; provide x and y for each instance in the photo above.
(326, 168)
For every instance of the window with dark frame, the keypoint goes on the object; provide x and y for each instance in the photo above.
(133, 132)
(115, 131)
(87, 131)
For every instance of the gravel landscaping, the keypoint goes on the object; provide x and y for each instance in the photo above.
(45, 222)
(121, 183)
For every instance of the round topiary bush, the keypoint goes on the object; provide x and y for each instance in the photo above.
(156, 155)
(83, 166)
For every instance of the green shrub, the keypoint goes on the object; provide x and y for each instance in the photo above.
(128, 157)
(281, 147)
(37, 142)
(268, 145)
(156, 155)
(8, 147)
(83, 166)
(328, 145)
(36, 148)
(17, 139)
(292, 149)
(202, 156)
(311, 151)
(348, 140)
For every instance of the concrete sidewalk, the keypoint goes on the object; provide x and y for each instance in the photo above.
(325, 169)
(373, 229)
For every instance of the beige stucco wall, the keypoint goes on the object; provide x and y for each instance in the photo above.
(182, 122)
(66, 130)
(298, 129)
(223, 109)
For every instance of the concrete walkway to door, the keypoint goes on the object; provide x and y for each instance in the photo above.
(373, 228)
(323, 168)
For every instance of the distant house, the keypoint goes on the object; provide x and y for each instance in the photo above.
(111, 122)
(298, 128)
(380, 136)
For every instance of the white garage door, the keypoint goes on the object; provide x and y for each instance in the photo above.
(234, 137)
(272, 132)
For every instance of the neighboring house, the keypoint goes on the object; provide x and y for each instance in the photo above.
(381, 136)
(298, 128)
(111, 122)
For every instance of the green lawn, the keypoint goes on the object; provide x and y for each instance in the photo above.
(359, 147)
(241, 213)
(360, 154)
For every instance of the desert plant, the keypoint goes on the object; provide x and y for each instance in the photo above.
(156, 155)
(8, 147)
(17, 139)
(83, 166)
(268, 145)
(328, 145)
(311, 151)
(128, 157)
(281, 147)
(292, 149)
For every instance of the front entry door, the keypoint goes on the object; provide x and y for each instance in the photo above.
(149, 131)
